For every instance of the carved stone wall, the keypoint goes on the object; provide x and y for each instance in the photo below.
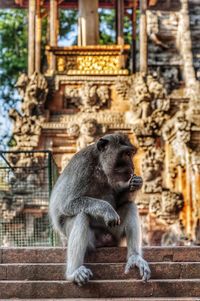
(165, 52)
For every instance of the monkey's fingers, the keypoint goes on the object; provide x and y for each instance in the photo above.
(82, 275)
(144, 269)
(146, 274)
(114, 223)
(129, 266)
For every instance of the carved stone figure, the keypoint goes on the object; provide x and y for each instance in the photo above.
(122, 86)
(27, 125)
(33, 90)
(152, 165)
(86, 132)
(172, 202)
(88, 97)
(149, 101)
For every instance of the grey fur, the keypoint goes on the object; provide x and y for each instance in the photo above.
(96, 191)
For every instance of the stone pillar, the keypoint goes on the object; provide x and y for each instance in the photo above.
(134, 19)
(38, 35)
(143, 37)
(120, 21)
(88, 23)
(53, 30)
(31, 36)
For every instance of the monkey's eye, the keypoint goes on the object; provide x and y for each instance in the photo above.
(128, 154)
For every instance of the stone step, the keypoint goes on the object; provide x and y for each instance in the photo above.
(110, 299)
(103, 271)
(102, 255)
(100, 289)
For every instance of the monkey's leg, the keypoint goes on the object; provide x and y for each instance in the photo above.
(77, 245)
(131, 226)
(133, 235)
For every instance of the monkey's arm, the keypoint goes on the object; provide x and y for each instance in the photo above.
(96, 208)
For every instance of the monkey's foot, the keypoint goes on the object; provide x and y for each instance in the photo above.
(138, 261)
(136, 183)
(80, 276)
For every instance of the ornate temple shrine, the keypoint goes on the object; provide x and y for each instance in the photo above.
(149, 89)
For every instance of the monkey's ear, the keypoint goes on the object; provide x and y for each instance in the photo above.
(101, 144)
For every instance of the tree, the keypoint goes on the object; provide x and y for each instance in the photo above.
(13, 60)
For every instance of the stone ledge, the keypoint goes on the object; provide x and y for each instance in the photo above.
(103, 271)
(100, 289)
(102, 255)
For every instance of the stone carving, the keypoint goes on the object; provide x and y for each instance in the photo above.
(89, 97)
(152, 165)
(27, 125)
(175, 235)
(178, 131)
(151, 108)
(33, 91)
(193, 112)
(167, 205)
(26, 130)
(122, 86)
(168, 76)
(10, 206)
(172, 203)
(150, 103)
(155, 205)
(86, 132)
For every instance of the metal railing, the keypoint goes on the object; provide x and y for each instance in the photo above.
(26, 181)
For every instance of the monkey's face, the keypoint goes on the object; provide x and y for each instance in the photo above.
(116, 154)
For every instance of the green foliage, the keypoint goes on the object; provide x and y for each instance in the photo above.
(107, 34)
(108, 27)
(68, 27)
(13, 52)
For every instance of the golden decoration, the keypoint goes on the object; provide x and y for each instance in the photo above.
(90, 59)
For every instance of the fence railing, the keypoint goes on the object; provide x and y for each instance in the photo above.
(26, 181)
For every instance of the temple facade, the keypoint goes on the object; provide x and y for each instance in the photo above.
(148, 89)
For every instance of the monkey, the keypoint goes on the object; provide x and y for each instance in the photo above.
(95, 193)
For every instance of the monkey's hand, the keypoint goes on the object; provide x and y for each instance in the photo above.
(81, 276)
(138, 261)
(135, 183)
(111, 218)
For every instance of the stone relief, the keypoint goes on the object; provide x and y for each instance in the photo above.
(27, 124)
(149, 102)
(151, 106)
(122, 86)
(152, 165)
(88, 98)
(86, 132)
